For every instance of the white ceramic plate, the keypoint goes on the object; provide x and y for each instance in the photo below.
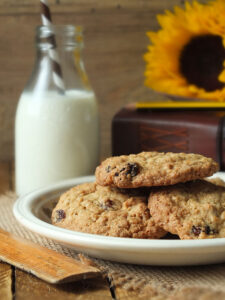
(33, 211)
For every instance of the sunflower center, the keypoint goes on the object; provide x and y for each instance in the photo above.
(201, 61)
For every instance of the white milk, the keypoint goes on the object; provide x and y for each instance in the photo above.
(56, 138)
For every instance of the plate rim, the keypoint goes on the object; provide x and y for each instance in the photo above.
(23, 214)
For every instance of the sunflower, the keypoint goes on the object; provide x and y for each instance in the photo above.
(187, 55)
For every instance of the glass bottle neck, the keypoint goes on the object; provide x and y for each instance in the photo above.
(62, 44)
(66, 37)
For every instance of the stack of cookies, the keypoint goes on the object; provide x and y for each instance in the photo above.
(145, 196)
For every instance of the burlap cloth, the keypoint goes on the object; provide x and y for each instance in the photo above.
(195, 282)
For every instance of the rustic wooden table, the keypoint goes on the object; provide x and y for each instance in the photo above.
(19, 285)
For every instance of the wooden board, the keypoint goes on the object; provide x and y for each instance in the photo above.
(115, 41)
(44, 263)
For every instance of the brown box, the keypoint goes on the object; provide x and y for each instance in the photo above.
(176, 130)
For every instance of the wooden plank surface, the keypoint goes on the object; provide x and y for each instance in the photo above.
(5, 281)
(6, 270)
(29, 287)
(115, 41)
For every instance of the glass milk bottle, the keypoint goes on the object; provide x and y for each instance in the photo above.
(56, 130)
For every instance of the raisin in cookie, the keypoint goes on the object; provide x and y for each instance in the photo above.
(153, 169)
(108, 211)
(192, 210)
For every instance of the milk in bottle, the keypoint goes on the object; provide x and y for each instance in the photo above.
(56, 132)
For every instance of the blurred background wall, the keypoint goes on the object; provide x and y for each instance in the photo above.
(115, 41)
